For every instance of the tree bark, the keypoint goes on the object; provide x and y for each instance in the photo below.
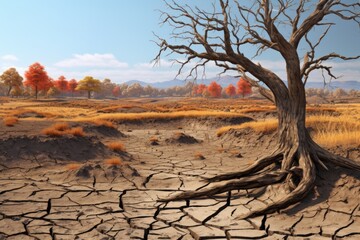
(8, 93)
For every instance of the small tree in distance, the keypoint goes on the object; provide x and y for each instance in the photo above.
(37, 78)
(230, 90)
(243, 87)
(116, 91)
(214, 90)
(90, 85)
(72, 86)
(200, 89)
(12, 79)
(61, 84)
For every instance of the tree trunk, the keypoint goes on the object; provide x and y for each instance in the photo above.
(8, 93)
(36, 92)
(89, 94)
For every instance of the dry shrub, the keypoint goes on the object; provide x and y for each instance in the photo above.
(10, 121)
(113, 161)
(60, 126)
(77, 132)
(116, 146)
(101, 122)
(52, 132)
(61, 129)
(199, 156)
(73, 166)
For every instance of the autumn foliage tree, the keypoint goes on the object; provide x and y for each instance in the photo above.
(116, 91)
(243, 87)
(230, 90)
(37, 78)
(12, 79)
(89, 84)
(200, 89)
(61, 84)
(214, 90)
(72, 86)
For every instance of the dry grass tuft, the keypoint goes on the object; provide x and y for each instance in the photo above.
(60, 126)
(332, 139)
(73, 166)
(116, 146)
(101, 122)
(77, 132)
(10, 121)
(52, 132)
(61, 129)
(199, 156)
(267, 126)
(113, 161)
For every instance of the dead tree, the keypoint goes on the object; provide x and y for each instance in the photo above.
(220, 35)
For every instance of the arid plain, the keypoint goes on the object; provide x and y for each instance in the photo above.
(95, 169)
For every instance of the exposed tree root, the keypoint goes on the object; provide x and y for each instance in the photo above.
(298, 172)
(256, 181)
(253, 168)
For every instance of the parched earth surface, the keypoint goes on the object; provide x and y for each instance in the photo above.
(42, 198)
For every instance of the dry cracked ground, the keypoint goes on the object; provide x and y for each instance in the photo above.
(41, 199)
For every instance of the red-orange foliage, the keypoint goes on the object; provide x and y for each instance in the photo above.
(200, 89)
(214, 89)
(194, 90)
(72, 84)
(243, 87)
(116, 91)
(37, 78)
(61, 84)
(230, 90)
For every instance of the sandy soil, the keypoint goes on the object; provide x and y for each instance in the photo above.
(40, 198)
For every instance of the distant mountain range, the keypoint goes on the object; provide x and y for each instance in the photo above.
(226, 80)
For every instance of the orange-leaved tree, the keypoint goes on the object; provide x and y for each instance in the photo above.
(200, 89)
(37, 78)
(72, 86)
(116, 91)
(89, 84)
(230, 90)
(12, 79)
(214, 89)
(243, 87)
(61, 84)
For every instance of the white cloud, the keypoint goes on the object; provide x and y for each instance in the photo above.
(9, 57)
(92, 60)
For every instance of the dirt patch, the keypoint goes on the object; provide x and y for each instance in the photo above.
(182, 138)
(103, 130)
(63, 148)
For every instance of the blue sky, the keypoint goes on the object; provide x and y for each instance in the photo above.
(113, 39)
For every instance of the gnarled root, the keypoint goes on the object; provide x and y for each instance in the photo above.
(257, 181)
(298, 171)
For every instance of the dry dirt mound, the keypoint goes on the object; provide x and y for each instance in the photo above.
(182, 138)
(103, 130)
(63, 148)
